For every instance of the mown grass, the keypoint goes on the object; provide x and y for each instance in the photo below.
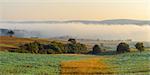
(133, 63)
(85, 67)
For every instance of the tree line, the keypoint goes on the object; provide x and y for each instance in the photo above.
(53, 47)
(121, 48)
(72, 47)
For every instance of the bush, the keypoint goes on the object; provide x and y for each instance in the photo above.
(42, 51)
(139, 46)
(58, 47)
(36, 47)
(29, 47)
(75, 48)
(70, 48)
(50, 51)
(96, 49)
(123, 47)
(82, 48)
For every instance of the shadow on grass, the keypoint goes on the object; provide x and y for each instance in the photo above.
(105, 53)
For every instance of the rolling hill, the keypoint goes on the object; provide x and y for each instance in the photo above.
(7, 42)
(106, 22)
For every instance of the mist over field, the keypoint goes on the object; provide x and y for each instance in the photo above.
(82, 30)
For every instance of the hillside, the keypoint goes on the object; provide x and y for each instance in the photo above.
(7, 42)
(107, 22)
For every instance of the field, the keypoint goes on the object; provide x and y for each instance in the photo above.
(41, 64)
(16, 63)
(133, 63)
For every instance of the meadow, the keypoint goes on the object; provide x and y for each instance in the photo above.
(71, 64)
(106, 63)
(32, 64)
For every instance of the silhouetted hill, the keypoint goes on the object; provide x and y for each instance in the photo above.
(107, 22)
(113, 22)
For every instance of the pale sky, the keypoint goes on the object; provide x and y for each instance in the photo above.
(74, 9)
(79, 10)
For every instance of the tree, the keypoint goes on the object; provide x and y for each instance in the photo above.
(82, 48)
(70, 48)
(139, 46)
(96, 49)
(34, 47)
(10, 33)
(123, 47)
(73, 41)
(59, 45)
(75, 47)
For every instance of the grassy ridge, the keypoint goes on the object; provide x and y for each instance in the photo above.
(38, 64)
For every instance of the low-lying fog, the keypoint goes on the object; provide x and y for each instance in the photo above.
(90, 31)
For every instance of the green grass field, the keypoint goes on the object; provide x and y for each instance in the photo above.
(131, 63)
(43, 64)
(29, 64)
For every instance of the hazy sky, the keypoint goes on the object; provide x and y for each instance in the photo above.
(79, 9)
(74, 9)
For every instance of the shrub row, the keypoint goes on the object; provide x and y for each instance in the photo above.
(72, 47)
(53, 47)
